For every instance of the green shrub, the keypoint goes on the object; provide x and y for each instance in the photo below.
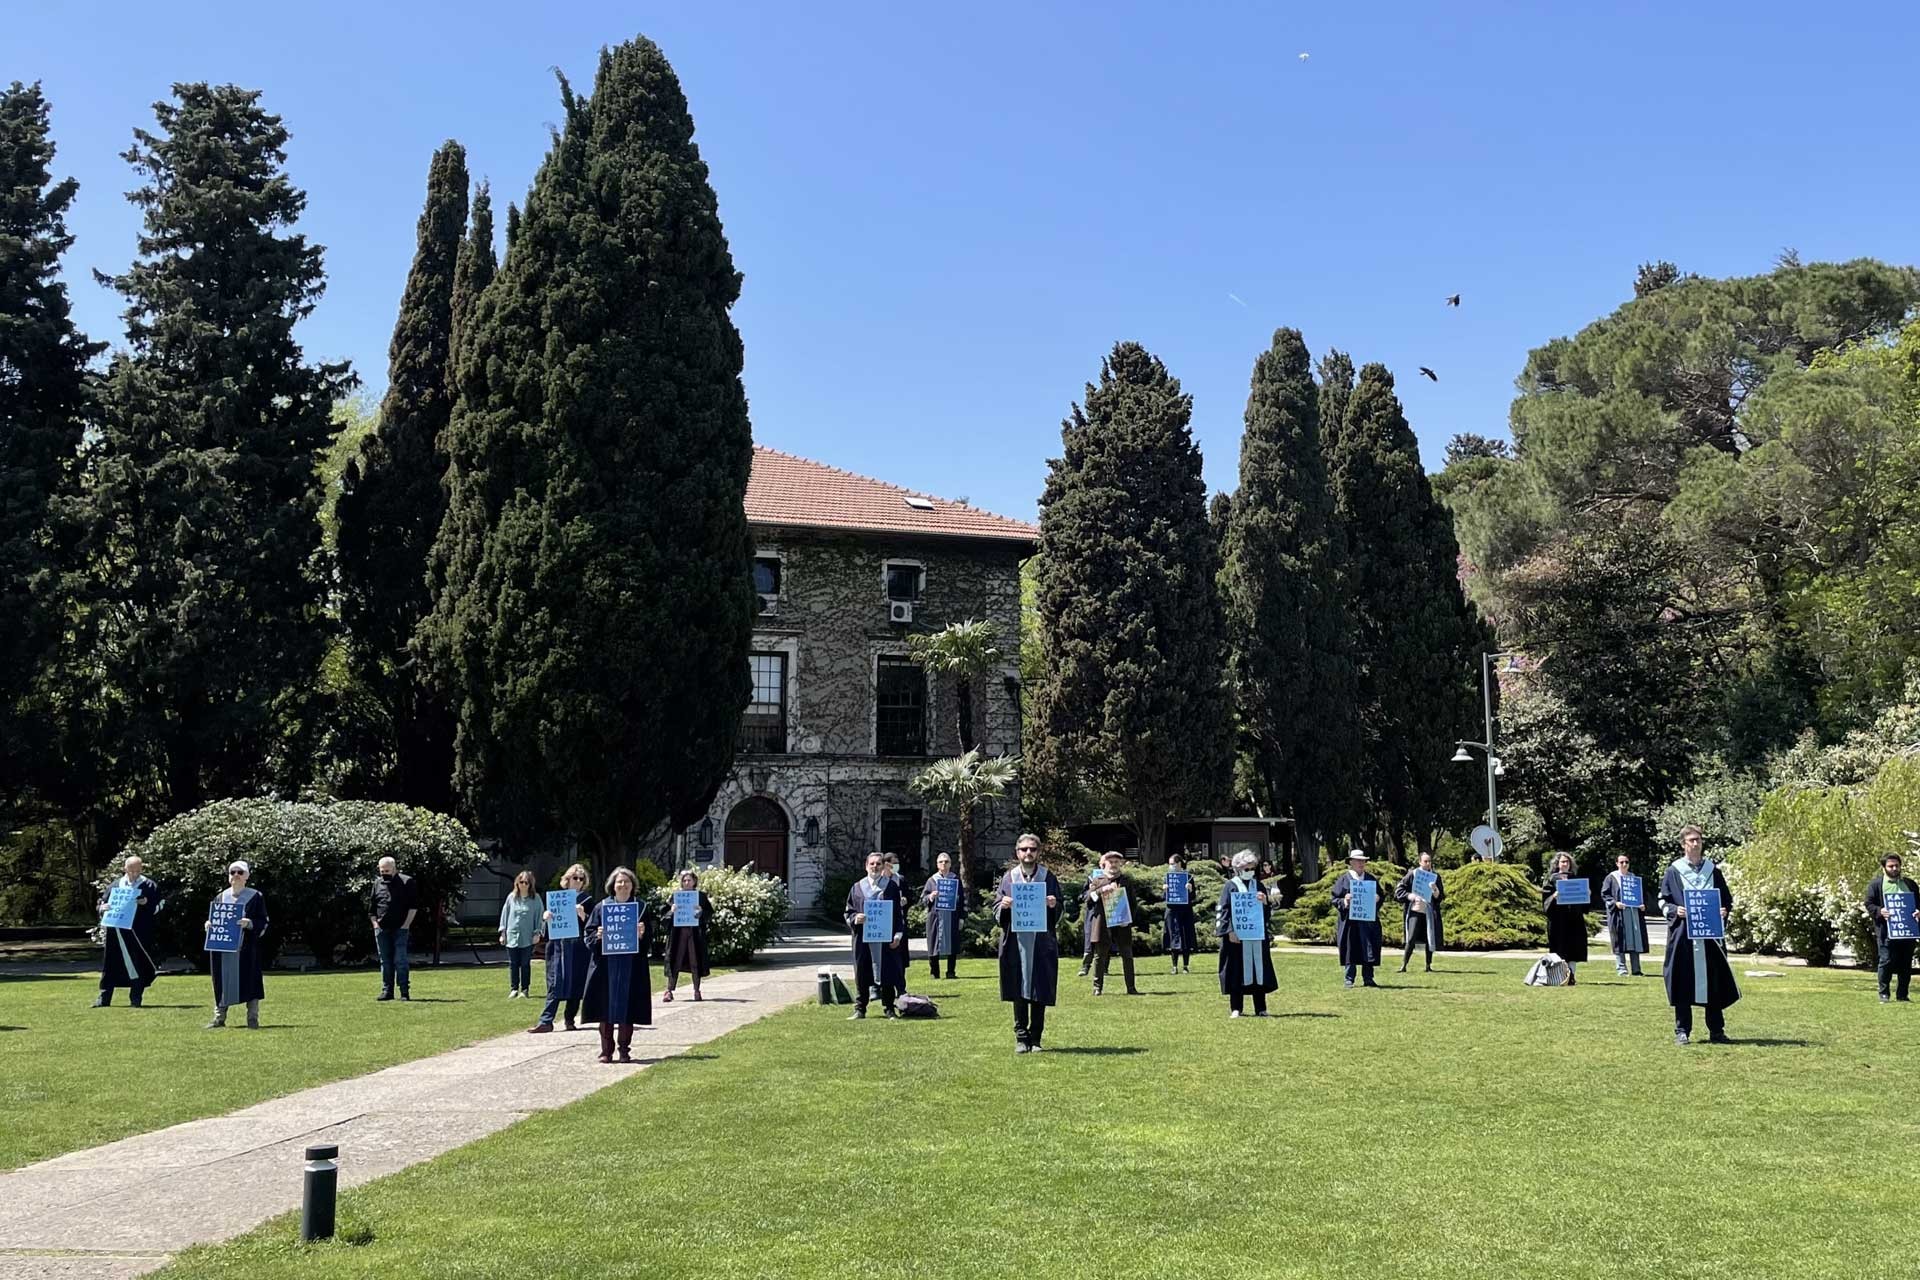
(1492, 905)
(314, 862)
(1311, 918)
(748, 910)
(649, 875)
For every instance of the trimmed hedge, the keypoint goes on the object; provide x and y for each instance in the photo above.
(1491, 906)
(748, 909)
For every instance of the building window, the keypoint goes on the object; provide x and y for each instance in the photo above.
(766, 582)
(763, 728)
(899, 707)
(905, 581)
(900, 836)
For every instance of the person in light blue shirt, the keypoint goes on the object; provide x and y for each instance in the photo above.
(519, 926)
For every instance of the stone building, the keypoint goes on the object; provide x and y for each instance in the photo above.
(847, 568)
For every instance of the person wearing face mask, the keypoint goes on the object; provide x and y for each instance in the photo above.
(943, 927)
(1029, 962)
(1420, 917)
(1358, 940)
(1246, 964)
(879, 968)
(1182, 941)
(1696, 971)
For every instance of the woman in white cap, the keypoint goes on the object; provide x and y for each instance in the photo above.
(1246, 964)
(1359, 940)
(236, 974)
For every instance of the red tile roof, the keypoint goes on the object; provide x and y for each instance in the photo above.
(792, 492)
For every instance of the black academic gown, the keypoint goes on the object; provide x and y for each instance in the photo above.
(686, 943)
(893, 960)
(1046, 947)
(249, 985)
(1719, 989)
(943, 927)
(1233, 965)
(127, 959)
(1412, 922)
(1624, 939)
(1178, 924)
(1567, 927)
(611, 977)
(567, 960)
(1358, 940)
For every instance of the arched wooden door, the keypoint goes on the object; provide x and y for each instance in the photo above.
(757, 837)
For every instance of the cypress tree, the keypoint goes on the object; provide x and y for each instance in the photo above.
(1289, 634)
(205, 500)
(44, 397)
(1133, 706)
(1416, 637)
(391, 503)
(473, 271)
(593, 599)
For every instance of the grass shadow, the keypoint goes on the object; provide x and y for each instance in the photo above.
(12, 1028)
(1303, 1013)
(1764, 1042)
(429, 1000)
(1102, 1051)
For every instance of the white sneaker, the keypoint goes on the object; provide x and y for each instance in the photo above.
(1233, 1013)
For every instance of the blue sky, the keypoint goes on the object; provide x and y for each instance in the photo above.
(947, 214)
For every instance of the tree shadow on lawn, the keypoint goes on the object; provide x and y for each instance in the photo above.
(1763, 1042)
(1303, 1013)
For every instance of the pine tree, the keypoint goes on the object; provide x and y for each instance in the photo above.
(390, 507)
(593, 603)
(1290, 638)
(1417, 640)
(204, 502)
(44, 396)
(1133, 704)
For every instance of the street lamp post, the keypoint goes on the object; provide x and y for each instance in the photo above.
(1495, 768)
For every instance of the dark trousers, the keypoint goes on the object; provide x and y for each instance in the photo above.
(1366, 971)
(1621, 959)
(1683, 1019)
(1238, 1001)
(1896, 960)
(1029, 1021)
(1112, 939)
(519, 968)
(1422, 936)
(607, 1030)
(887, 996)
(933, 965)
(395, 955)
(137, 990)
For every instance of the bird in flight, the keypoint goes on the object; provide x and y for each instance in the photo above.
(1305, 56)
(1429, 374)
(1453, 300)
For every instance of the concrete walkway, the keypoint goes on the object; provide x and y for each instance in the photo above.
(124, 1208)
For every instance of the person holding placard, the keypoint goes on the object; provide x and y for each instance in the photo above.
(946, 902)
(1246, 952)
(1356, 909)
(1419, 893)
(520, 920)
(1893, 905)
(1028, 909)
(241, 913)
(127, 910)
(879, 966)
(1696, 899)
(1177, 922)
(1626, 902)
(687, 944)
(619, 992)
(1110, 918)
(566, 954)
(1567, 899)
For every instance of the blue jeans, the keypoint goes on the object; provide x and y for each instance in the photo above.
(393, 947)
(519, 968)
(1367, 974)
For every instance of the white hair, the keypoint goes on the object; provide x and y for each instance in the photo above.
(241, 867)
(1245, 858)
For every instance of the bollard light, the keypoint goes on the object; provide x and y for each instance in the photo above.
(317, 1194)
(825, 978)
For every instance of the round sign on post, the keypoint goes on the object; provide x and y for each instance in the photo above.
(1486, 842)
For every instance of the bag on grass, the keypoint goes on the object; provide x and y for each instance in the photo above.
(1548, 971)
(840, 993)
(916, 1007)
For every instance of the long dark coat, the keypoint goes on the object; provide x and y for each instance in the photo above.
(1678, 971)
(1567, 927)
(1358, 940)
(893, 960)
(1627, 941)
(1431, 920)
(567, 960)
(606, 974)
(129, 955)
(943, 927)
(1232, 963)
(1046, 947)
(251, 984)
(685, 943)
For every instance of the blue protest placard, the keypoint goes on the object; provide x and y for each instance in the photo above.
(879, 922)
(1424, 882)
(1249, 917)
(1029, 906)
(619, 928)
(223, 926)
(1119, 909)
(1574, 892)
(686, 908)
(1179, 889)
(1703, 914)
(1365, 901)
(946, 893)
(562, 905)
(1632, 892)
(122, 901)
(1900, 923)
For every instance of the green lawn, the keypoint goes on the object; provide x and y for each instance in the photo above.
(1452, 1125)
(73, 1077)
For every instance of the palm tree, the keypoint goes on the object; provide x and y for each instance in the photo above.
(966, 651)
(958, 785)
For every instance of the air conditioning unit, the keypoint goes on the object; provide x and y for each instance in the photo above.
(769, 606)
(899, 611)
